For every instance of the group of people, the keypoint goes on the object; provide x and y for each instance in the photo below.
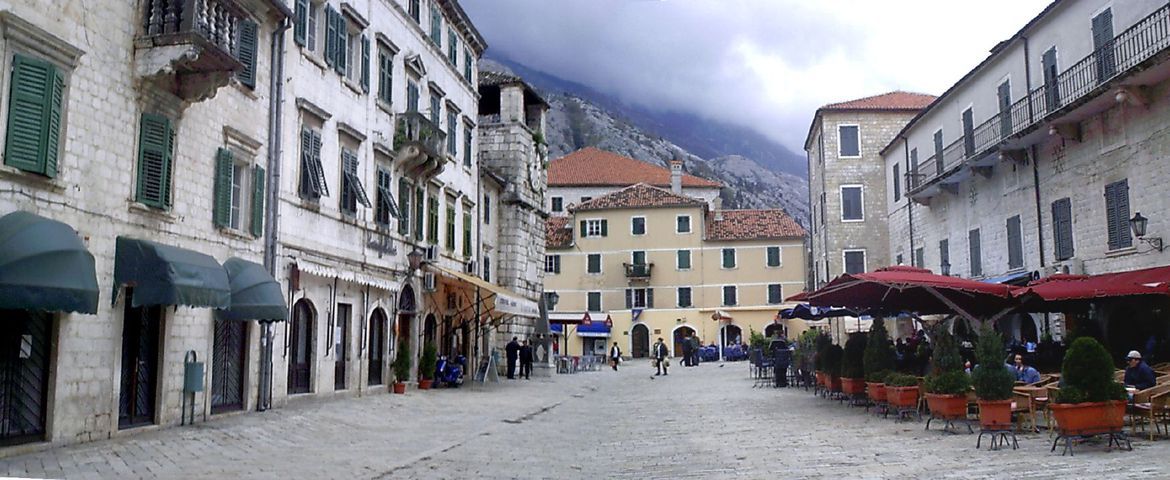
(521, 353)
(690, 350)
(658, 352)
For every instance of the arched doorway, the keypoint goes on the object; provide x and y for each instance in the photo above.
(680, 334)
(300, 349)
(430, 328)
(407, 308)
(774, 329)
(377, 346)
(730, 334)
(640, 341)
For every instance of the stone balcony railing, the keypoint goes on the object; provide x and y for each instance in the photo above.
(194, 39)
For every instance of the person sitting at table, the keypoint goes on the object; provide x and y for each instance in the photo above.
(1137, 373)
(1025, 373)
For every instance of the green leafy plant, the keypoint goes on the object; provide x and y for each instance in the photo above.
(402, 362)
(538, 138)
(823, 342)
(1087, 374)
(758, 340)
(426, 364)
(992, 379)
(878, 360)
(901, 380)
(833, 359)
(805, 351)
(946, 374)
(851, 365)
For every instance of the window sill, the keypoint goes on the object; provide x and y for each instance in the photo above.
(311, 205)
(143, 209)
(244, 89)
(32, 179)
(315, 58)
(856, 220)
(386, 107)
(352, 85)
(235, 233)
(683, 233)
(1121, 252)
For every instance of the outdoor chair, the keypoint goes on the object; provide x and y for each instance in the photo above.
(1162, 379)
(1149, 406)
(1033, 401)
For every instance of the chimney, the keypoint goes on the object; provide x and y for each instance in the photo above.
(676, 167)
(717, 205)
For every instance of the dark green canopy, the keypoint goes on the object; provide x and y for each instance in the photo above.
(44, 266)
(166, 275)
(255, 294)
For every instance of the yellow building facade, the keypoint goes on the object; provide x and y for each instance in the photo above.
(655, 263)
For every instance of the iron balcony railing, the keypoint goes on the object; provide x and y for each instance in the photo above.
(638, 270)
(212, 22)
(414, 127)
(1116, 58)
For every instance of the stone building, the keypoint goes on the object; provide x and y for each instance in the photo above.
(1035, 161)
(847, 187)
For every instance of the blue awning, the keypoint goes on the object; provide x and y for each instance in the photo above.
(1018, 278)
(595, 329)
(557, 328)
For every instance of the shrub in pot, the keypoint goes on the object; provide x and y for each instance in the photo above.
(902, 390)
(878, 361)
(993, 382)
(947, 385)
(823, 342)
(833, 358)
(426, 366)
(852, 370)
(1089, 400)
(401, 366)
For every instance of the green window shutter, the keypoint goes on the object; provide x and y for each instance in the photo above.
(341, 63)
(974, 252)
(404, 202)
(629, 298)
(433, 220)
(583, 224)
(773, 256)
(330, 35)
(649, 297)
(365, 64)
(34, 116)
(301, 17)
(155, 148)
(222, 210)
(467, 234)
(450, 228)
(247, 52)
(604, 227)
(728, 258)
(556, 264)
(385, 76)
(258, 184)
(419, 221)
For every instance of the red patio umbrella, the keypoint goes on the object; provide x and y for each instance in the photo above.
(1064, 291)
(915, 289)
(800, 297)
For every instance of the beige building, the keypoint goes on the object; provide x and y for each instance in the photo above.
(647, 263)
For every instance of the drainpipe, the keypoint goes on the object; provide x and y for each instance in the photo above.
(910, 204)
(272, 212)
(1035, 171)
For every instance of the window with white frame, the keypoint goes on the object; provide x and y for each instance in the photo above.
(854, 261)
(848, 141)
(593, 301)
(552, 264)
(683, 295)
(775, 294)
(593, 263)
(682, 224)
(558, 204)
(851, 203)
(728, 258)
(773, 256)
(683, 260)
(729, 295)
(637, 225)
(594, 228)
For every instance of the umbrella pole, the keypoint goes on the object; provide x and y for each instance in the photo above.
(954, 306)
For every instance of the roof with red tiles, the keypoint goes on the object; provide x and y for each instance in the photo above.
(753, 225)
(557, 232)
(593, 166)
(638, 196)
(897, 100)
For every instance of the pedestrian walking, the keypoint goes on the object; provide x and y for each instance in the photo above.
(661, 357)
(615, 355)
(686, 351)
(526, 360)
(513, 351)
(696, 345)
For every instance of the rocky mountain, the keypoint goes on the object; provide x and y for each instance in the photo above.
(580, 117)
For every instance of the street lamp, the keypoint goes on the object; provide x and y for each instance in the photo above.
(551, 299)
(1138, 224)
(946, 268)
(414, 259)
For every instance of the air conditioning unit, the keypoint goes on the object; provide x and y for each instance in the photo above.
(429, 282)
(432, 254)
(469, 267)
(1072, 266)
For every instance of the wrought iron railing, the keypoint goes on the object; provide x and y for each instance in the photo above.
(414, 127)
(638, 270)
(1142, 41)
(217, 21)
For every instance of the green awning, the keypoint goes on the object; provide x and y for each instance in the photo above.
(44, 266)
(255, 294)
(165, 275)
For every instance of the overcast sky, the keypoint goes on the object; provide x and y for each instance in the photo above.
(767, 64)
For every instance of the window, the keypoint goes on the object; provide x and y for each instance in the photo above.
(728, 258)
(156, 144)
(919, 257)
(851, 208)
(467, 151)
(452, 133)
(385, 75)
(487, 269)
(411, 96)
(849, 143)
(450, 244)
(683, 295)
(432, 220)
(418, 213)
(729, 295)
(586, 199)
(233, 192)
(854, 261)
(1102, 25)
(594, 228)
(968, 132)
(337, 41)
(944, 254)
(1004, 94)
(415, 11)
(306, 13)
(352, 192)
(385, 208)
(247, 38)
(467, 69)
(683, 260)
(487, 209)
(436, 25)
(773, 256)
(552, 264)
(897, 184)
(1015, 243)
(436, 108)
(453, 47)
(1062, 234)
(1117, 214)
(593, 263)
(638, 225)
(975, 253)
(1051, 73)
(313, 185)
(593, 301)
(404, 191)
(548, 303)
(912, 168)
(639, 298)
(558, 204)
(775, 294)
(682, 224)
(899, 260)
(35, 107)
(467, 220)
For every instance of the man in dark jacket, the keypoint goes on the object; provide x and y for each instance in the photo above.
(526, 360)
(1137, 373)
(513, 351)
(661, 357)
(686, 351)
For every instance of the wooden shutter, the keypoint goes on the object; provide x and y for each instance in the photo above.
(1051, 89)
(155, 147)
(301, 19)
(404, 202)
(341, 63)
(258, 183)
(629, 298)
(246, 52)
(467, 233)
(365, 75)
(584, 232)
(34, 116)
(1062, 229)
(897, 183)
(323, 184)
(419, 221)
(330, 35)
(1117, 212)
(556, 264)
(385, 76)
(938, 152)
(649, 297)
(222, 211)
(1103, 44)
(1004, 92)
(604, 227)
(974, 251)
(1015, 243)
(968, 133)
(944, 251)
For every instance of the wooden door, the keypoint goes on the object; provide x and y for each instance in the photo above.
(341, 345)
(24, 375)
(140, 349)
(377, 347)
(300, 352)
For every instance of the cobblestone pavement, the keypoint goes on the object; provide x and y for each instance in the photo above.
(704, 422)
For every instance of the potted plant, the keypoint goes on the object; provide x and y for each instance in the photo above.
(426, 366)
(823, 343)
(833, 357)
(1089, 401)
(993, 382)
(948, 385)
(878, 361)
(902, 391)
(401, 366)
(852, 370)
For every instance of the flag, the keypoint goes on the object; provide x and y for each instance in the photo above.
(637, 313)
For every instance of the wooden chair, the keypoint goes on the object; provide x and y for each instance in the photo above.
(1034, 401)
(1149, 406)
(1119, 376)
(1162, 379)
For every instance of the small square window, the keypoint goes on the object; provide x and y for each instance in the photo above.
(594, 300)
(558, 204)
(773, 256)
(593, 263)
(849, 142)
(728, 258)
(683, 224)
(638, 225)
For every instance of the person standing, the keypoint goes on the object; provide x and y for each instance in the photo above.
(615, 355)
(526, 360)
(513, 352)
(661, 357)
(686, 351)
(696, 345)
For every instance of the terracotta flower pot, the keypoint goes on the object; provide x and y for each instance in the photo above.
(821, 379)
(902, 397)
(835, 384)
(995, 414)
(876, 392)
(399, 388)
(947, 406)
(424, 384)
(853, 386)
(1089, 418)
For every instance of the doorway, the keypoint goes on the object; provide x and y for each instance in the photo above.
(681, 334)
(227, 365)
(24, 375)
(731, 335)
(300, 352)
(341, 345)
(377, 346)
(140, 347)
(640, 341)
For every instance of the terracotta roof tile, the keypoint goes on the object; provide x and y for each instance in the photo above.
(897, 100)
(752, 225)
(557, 232)
(638, 196)
(593, 166)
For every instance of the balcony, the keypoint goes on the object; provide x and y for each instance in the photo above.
(190, 45)
(419, 144)
(638, 271)
(1075, 94)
